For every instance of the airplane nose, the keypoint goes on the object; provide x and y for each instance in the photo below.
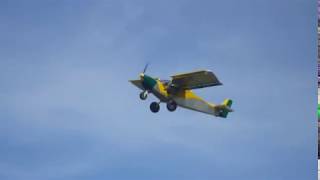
(141, 76)
(148, 82)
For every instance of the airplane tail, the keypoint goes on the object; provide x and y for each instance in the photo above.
(225, 108)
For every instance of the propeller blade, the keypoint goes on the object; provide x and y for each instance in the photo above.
(145, 68)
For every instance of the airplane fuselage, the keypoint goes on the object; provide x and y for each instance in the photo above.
(184, 98)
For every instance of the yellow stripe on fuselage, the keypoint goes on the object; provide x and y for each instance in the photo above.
(188, 94)
(162, 90)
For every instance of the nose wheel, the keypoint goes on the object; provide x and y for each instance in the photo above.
(154, 107)
(171, 106)
(143, 95)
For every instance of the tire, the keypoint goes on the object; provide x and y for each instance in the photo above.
(154, 107)
(143, 96)
(171, 106)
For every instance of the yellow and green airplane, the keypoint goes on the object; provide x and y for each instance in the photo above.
(178, 92)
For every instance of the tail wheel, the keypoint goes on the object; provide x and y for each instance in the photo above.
(154, 107)
(143, 95)
(171, 106)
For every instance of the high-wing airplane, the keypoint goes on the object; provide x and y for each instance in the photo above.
(178, 92)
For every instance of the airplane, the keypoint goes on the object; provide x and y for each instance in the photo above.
(178, 92)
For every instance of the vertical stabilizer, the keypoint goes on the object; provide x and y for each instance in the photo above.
(226, 108)
(227, 102)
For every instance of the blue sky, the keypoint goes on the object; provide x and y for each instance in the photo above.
(68, 111)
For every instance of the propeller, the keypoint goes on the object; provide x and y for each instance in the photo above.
(145, 68)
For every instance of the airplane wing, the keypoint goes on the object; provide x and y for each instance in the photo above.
(137, 83)
(194, 80)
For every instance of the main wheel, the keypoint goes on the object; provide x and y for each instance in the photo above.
(143, 95)
(171, 106)
(154, 107)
